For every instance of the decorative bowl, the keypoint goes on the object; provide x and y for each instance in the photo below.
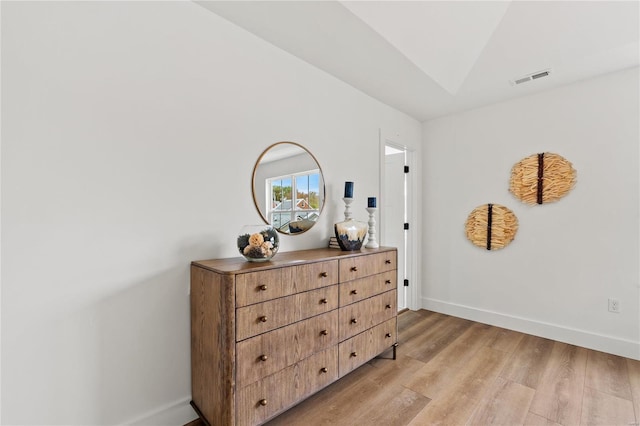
(258, 243)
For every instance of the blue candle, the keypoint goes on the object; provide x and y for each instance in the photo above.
(371, 202)
(348, 190)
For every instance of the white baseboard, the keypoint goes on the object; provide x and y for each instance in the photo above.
(599, 342)
(177, 413)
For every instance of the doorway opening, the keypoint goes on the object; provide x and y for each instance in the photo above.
(397, 227)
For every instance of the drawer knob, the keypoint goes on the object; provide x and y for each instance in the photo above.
(354, 321)
(354, 354)
(324, 274)
(324, 333)
(263, 402)
(354, 268)
(387, 335)
(388, 262)
(388, 306)
(263, 287)
(324, 370)
(263, 318)
(263, 357)
(324, 301)
(387, 282)
(354, 291)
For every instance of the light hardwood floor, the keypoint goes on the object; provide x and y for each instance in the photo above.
(452, 371)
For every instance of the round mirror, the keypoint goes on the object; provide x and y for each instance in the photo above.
(288, 187)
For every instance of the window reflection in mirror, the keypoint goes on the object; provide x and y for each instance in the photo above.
(288, 187)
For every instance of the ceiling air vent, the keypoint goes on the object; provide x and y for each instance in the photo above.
(533, 76)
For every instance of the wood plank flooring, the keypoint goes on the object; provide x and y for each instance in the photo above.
(451, 371)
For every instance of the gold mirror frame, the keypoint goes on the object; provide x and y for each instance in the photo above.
(283, 156)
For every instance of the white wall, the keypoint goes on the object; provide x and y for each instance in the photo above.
(130, 131)
(568, 257)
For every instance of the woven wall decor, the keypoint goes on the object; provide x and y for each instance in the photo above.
(542, 178)
(491, 226)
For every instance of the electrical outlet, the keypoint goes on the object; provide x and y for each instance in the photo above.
(614, 305)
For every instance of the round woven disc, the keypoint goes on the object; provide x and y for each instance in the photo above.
(504, 225)
(558, 178)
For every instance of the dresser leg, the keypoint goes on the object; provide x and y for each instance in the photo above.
(199, 413)
(395, 346)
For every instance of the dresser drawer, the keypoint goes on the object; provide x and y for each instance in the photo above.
(268, 353)
(357, 317)
(363, 288)
(352, 268)
(361, 348)
(266, 316)
(264, 399)
(256, 287)
(315, 275)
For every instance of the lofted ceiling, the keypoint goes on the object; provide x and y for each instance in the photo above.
(433, 58)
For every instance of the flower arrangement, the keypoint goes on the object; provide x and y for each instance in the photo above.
(258, 243)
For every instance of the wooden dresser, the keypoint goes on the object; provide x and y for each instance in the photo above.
(264, 336)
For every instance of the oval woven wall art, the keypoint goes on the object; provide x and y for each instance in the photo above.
(542, 178)
(491, 226)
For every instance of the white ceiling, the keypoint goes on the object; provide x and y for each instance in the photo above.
(432, 58)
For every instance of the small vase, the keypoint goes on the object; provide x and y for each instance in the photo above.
(350, 234)
(258, 243)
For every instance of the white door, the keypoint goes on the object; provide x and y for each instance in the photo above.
(395, 192)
